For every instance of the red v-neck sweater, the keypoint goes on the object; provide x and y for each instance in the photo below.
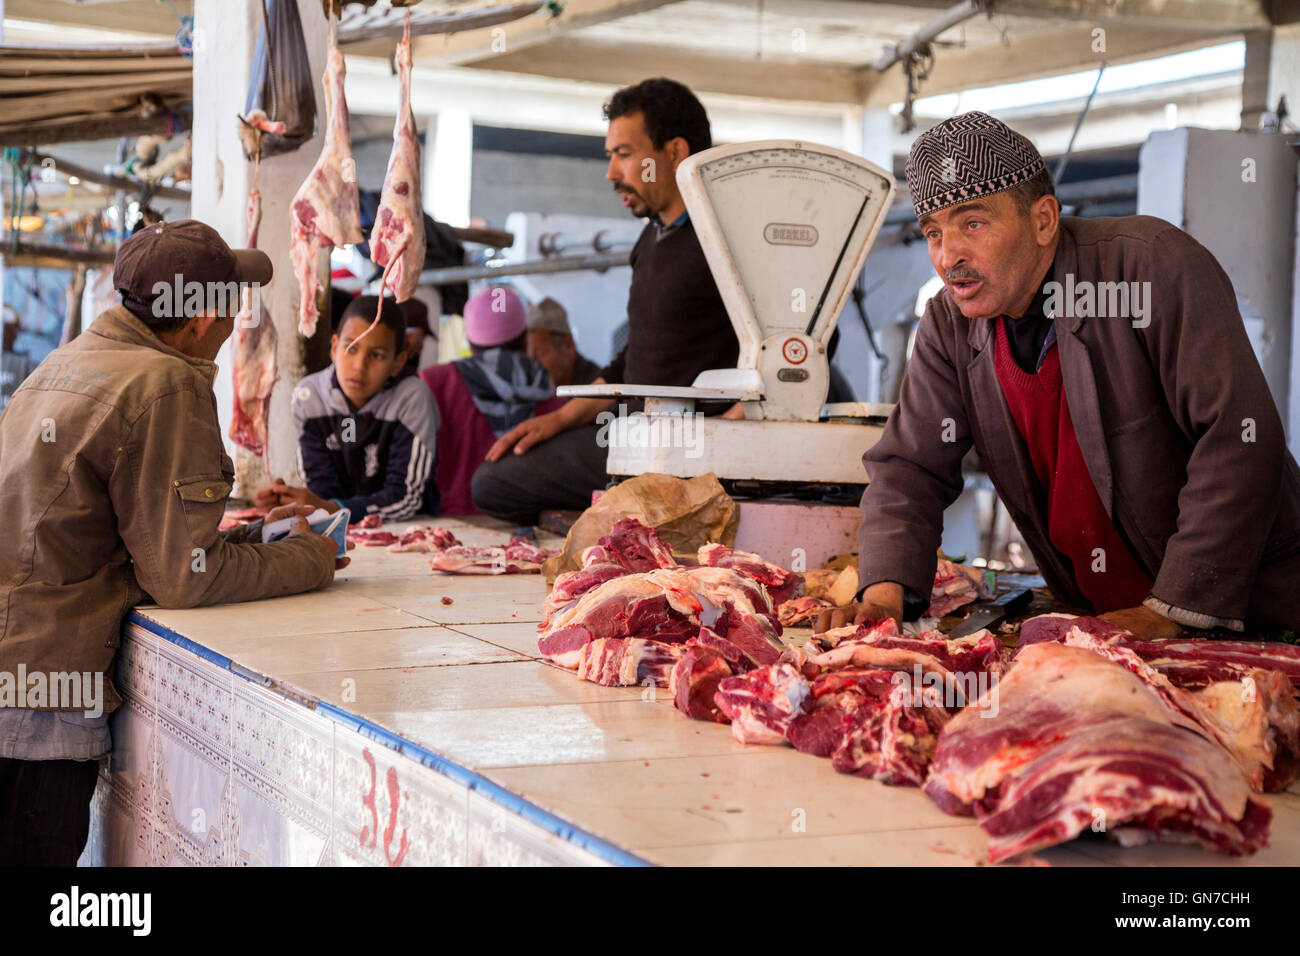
(1077, 522)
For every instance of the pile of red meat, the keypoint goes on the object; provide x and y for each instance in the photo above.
(632, 614)
(1084, 728)
(1093, 729)
(447, 554)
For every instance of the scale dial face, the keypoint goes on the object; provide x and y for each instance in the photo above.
(795, 221)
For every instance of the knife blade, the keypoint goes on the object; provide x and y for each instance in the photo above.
(990, 612)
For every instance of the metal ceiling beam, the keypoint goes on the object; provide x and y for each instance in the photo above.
(1192, 14)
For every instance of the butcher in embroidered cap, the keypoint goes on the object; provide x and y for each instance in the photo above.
(1101, 370)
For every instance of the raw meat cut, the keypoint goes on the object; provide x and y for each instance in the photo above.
(667, 604)
(370, 521)
(1262, 721)
(1054, 627)
(1068, 733)
(800, 610)
(965, 667)
(571, 585)
(763, 703)
(632, 605)
(370, 539)
(782, 585)
(427, 539)
(1188, 662)
(696, 676)
(397, 241)
(633, 546)
(888, 736)
(253, 364)
(326, 211)
(520, 556)
(954, 586)
(619, 661)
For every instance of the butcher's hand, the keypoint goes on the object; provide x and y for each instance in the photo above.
(526, 434)
(879, 601)
(1143, 622)
(300, 526)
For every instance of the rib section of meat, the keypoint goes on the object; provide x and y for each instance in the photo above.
(326, 211)
(618, 661)
(1069, 740)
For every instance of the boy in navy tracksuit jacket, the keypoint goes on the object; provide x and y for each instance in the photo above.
(367, 440)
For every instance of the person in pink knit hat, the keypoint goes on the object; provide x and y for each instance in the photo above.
(484, 396)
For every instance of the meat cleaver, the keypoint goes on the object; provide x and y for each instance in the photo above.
(990, 612)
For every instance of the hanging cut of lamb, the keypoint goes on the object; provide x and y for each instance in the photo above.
(1070, 740)
(326, 211)
(397, 241)
(253, 354)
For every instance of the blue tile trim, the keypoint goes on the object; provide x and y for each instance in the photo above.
(180, 640)
(497, 794)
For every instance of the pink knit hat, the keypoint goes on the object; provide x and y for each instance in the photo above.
(493, 316)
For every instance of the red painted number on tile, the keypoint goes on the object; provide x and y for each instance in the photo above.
(371, 831)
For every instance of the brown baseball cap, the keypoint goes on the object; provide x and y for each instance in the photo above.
(155, 269)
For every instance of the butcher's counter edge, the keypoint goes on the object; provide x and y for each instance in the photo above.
(216, 764)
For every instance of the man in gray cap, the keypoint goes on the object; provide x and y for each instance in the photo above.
(550, 341)
(113, 480)
(1101, 370)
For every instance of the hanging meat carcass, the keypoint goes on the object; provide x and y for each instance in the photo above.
(326, 211)
(253, 354)
(397, 240)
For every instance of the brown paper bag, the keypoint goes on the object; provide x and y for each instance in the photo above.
(689, 512)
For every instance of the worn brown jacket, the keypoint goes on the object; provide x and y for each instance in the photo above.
(1165, 417)
(113, 480)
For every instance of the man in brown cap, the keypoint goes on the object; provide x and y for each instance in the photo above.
(1101, 370)
(113, 480)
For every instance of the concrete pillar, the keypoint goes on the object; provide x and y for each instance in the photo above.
(448, 158)
(1235, 192)
(226, 35)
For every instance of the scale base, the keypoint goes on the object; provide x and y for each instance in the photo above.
(799, 453)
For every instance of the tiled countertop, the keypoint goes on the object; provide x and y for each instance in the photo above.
(464, 681)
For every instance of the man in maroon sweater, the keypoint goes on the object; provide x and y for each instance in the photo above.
(1101, 370)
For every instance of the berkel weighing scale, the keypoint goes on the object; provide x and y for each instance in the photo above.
(785, 227)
